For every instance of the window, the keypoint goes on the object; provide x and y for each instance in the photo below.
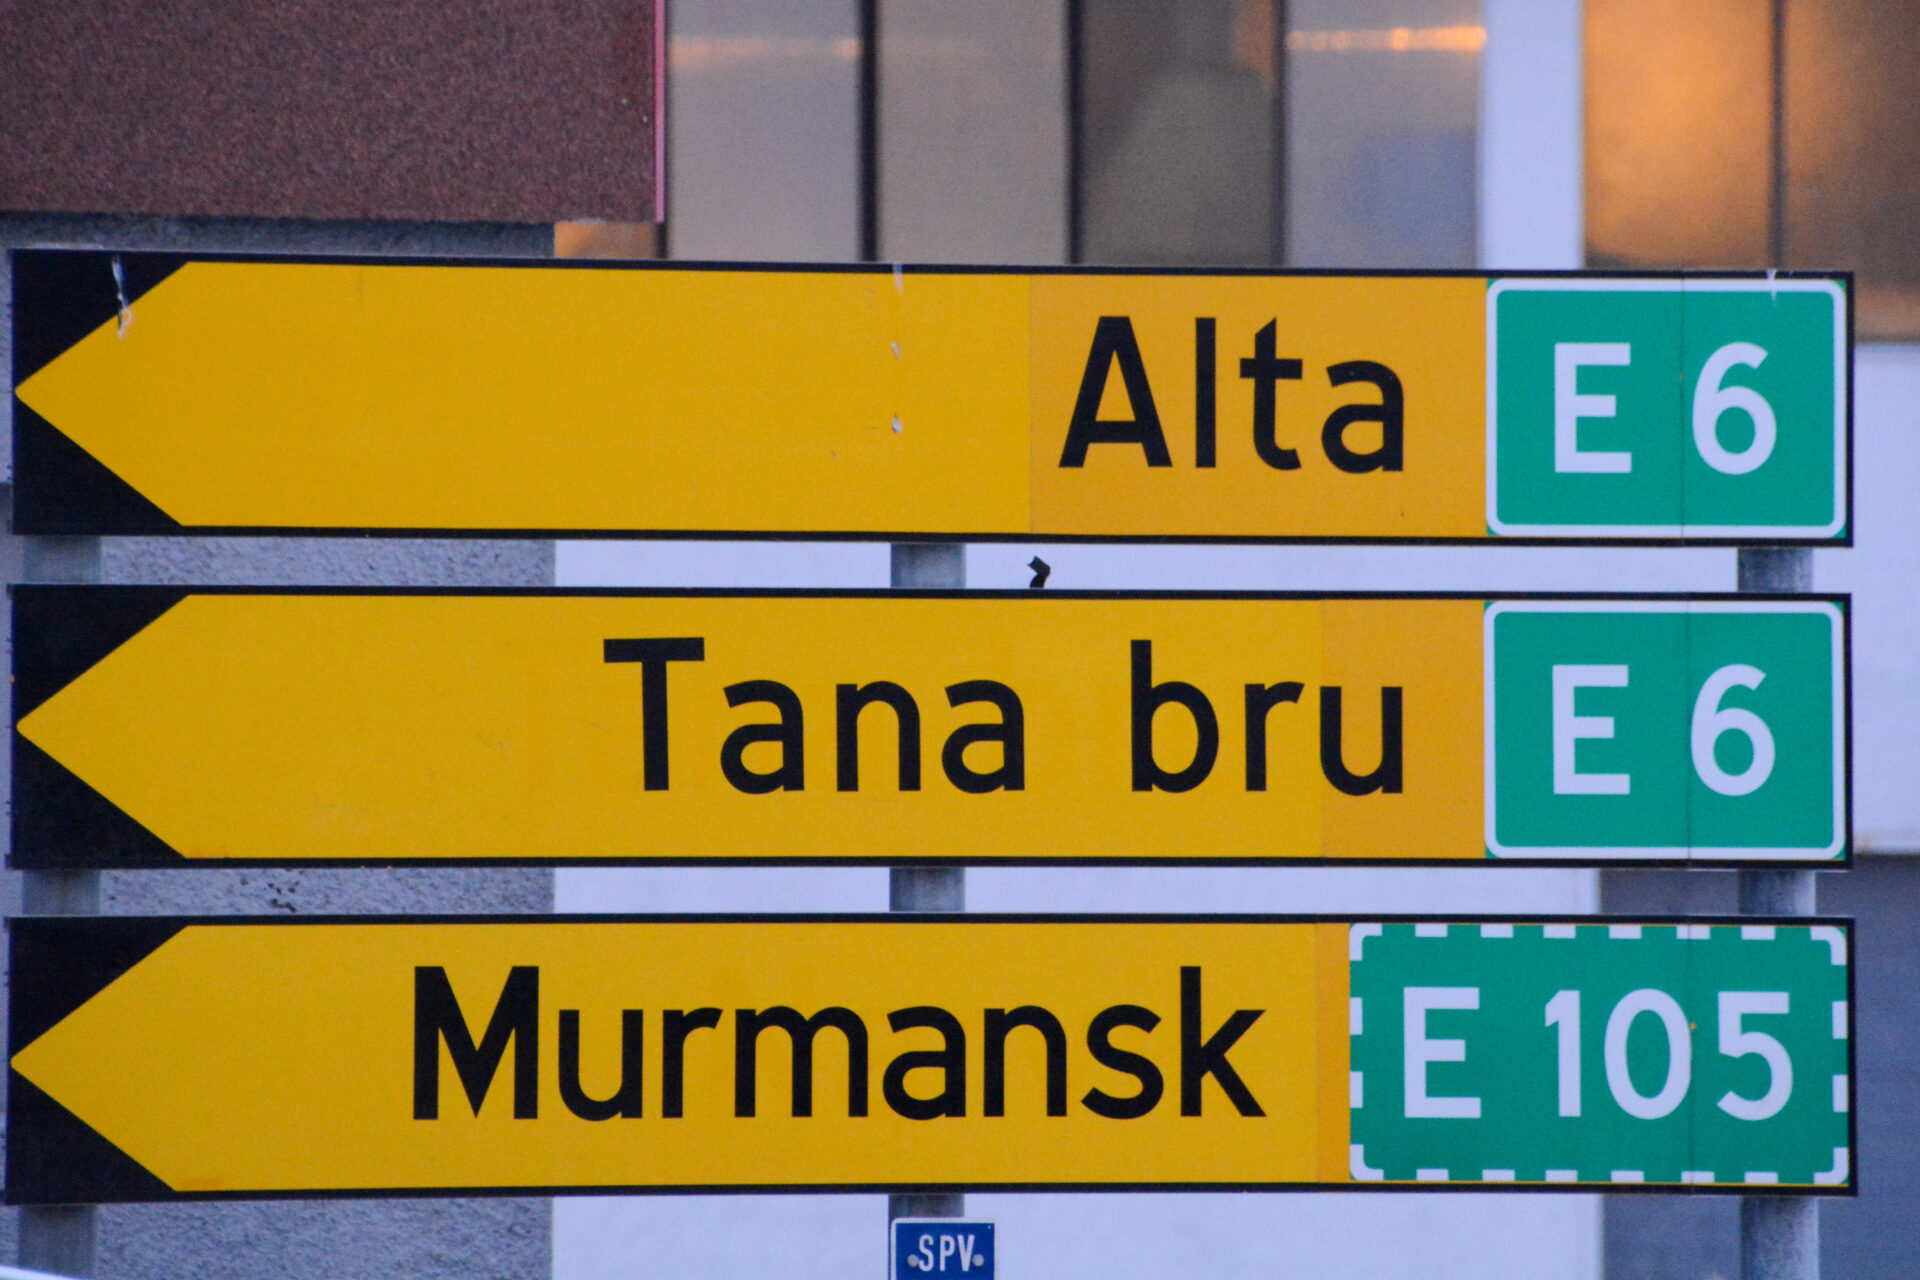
(1333, 133)
(1701, 154)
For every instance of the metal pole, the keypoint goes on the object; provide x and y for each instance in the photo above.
(1779, 1235)
(59, 1238)
(928, 565)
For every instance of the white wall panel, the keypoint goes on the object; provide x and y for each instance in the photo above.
(1882, 570)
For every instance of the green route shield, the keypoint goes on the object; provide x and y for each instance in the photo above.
(1588, 379)
(1710, 730)
(1685, 1054)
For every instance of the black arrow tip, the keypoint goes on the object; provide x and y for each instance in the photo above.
(1040, 571)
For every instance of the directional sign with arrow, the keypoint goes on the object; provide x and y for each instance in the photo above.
(160, 1059)
(159, 726)
(164, 394)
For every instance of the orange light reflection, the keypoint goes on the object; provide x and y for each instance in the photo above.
(1463, 38)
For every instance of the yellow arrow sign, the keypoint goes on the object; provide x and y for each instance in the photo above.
(262, 1058)
(350, 726)
(879, 727)
(357, 396)
(159, 1058)
(158, 393)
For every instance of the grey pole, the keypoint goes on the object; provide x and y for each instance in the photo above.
(59, 1238)
(928, 565)
(1779, 1235)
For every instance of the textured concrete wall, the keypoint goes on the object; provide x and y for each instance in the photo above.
(383, 1239)
(504, 110)
(393, 562)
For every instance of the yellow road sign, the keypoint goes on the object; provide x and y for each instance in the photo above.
(156, 725)
(222, 1062)
(155, 1059)
(877, 727)
(865, 402)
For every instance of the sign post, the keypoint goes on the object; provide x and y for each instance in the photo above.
(1779, 1235)
(931, 566)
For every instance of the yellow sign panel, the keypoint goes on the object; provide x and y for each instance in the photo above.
(158, 1058)
(347, 396)
(576, 1054)
(879, 727)
(1269, 393)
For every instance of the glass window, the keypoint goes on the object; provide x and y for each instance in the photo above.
(1853, 152)
(1678, 95)
(763, 129)
(1383, 105)
(1335, 133)
(1680, 150)
(973, 130)
(1179, 132)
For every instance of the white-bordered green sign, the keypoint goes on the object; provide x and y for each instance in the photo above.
(1688, 729)
(1587, 379)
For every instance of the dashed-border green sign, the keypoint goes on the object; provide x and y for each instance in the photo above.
(1684, 1054)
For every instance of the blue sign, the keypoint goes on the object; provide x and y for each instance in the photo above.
(925, 1247)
